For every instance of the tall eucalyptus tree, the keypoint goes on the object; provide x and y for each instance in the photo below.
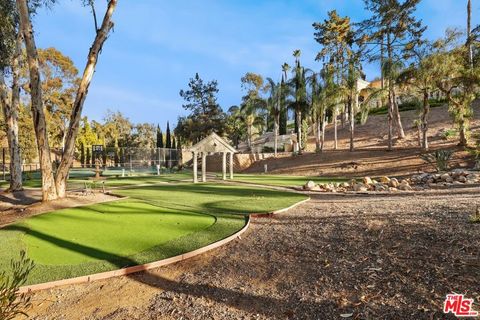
(54, 186)
(10, 55)
(394, 28)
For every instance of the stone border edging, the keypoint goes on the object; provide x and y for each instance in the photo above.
(150, 265)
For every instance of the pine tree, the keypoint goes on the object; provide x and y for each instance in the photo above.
(159, 137)
(168, 142)
(88, 157)
(82, 155)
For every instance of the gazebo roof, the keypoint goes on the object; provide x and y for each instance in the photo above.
(213, 143)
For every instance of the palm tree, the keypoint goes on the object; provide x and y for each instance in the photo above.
(249, 113)
(300, 103)
(317, 107)
(274, 107)
(285, 69)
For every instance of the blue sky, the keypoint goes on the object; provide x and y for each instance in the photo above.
(157, 45)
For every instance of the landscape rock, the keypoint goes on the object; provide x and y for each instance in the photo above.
(367, 180)
(310, 185)
(385, 180)
(360, 187)
(445, 177)
(393, 183)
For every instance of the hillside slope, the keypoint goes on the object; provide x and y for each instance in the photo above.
(371, 156)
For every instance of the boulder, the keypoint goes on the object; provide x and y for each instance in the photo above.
(445, 177)
(461, 179)
(384, 180)
(310, 185)
(380, 187)
(392, 189)
(367, 180)
(424, 177)
(404, 186)
(360, 187)
(393, 183)
(344, 185)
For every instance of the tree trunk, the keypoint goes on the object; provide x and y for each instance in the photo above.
(95, 49)
(469, 33)
(249, 137)
(318, 133)
(390, 97)
(275, 129)
(40, 126)
(322, 136)
(419, 135)
(426, 111)
(299, 131)
(463, 132)
(11, 122)
(353, 107)
(396, 113)
(335, 127)
(390, 121)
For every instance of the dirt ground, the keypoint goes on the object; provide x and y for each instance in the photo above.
(370, 157)
(357, 256)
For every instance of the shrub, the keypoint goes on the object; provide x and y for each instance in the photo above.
(449, 134)
(475, 152)
(12, 303)
(438, 159)
(475, 218)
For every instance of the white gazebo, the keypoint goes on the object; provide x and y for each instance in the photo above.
(210, 145)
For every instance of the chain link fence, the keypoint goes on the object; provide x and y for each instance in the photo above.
(114, 160)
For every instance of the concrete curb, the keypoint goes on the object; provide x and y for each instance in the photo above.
(270, 214)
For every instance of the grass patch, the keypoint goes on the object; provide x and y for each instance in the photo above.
(156, 222)
(283, 181)
(78, 177)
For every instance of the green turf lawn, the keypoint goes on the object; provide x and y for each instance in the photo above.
(78, 177)
(153, 223)
(283, 181)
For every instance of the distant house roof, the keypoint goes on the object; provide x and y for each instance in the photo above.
(212, 143)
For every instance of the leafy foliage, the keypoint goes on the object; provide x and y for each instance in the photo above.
(205, 116)
(13, 304)
(439, 159)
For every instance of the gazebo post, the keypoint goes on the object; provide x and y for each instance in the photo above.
(204, 167)
(195, 167)
(231, 165)
(224, 165)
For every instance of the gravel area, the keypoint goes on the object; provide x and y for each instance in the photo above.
(337, 256)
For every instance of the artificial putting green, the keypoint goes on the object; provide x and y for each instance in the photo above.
(79, 177)
(153, 223)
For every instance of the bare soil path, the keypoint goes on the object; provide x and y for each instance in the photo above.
(363, 256)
